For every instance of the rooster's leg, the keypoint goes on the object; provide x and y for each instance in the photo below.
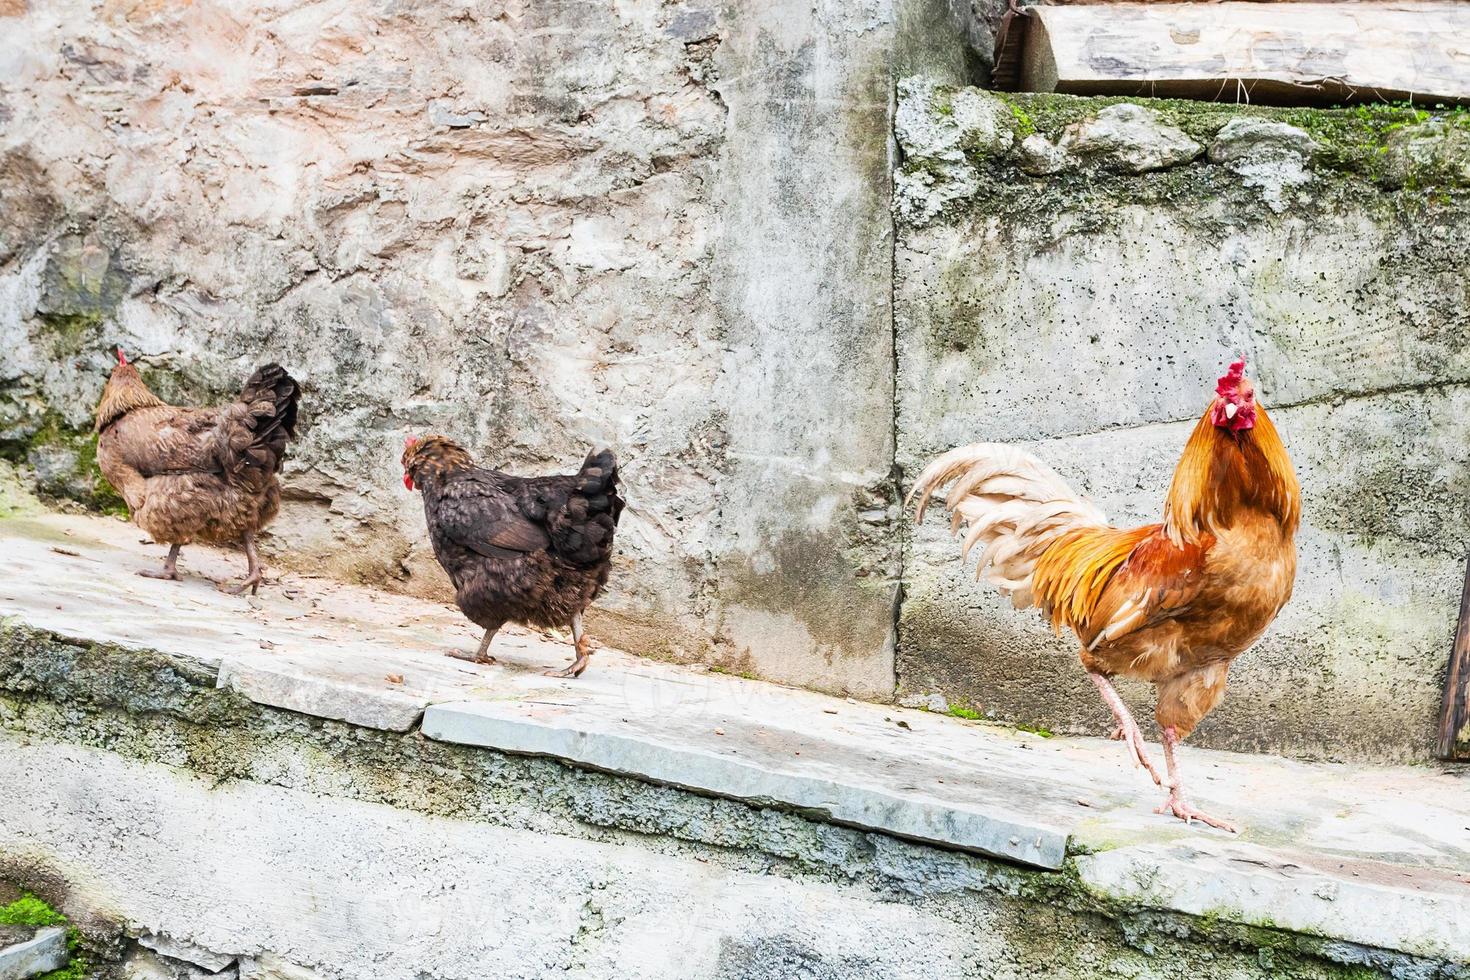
(169, 571)
(480, 656)
(255, 572)
(1175, 803)
(1128, 731)
(584, 652)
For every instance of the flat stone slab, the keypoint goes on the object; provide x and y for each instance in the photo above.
(43, 952)
(1366, 854)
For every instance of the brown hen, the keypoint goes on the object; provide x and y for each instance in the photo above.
(198, 474)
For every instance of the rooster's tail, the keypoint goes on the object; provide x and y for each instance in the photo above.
(1011, 503)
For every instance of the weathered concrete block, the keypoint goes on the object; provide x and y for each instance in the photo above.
(41, 953)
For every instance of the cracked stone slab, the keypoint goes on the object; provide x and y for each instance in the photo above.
(764, 768)
(43, 952)
(180, 949)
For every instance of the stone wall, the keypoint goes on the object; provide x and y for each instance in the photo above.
(538, 227)
(1073, 274)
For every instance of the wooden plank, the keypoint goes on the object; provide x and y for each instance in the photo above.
(1454, 718)
(1301, 53)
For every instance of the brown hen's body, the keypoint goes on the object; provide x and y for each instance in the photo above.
(534, 550)
(192, 474)
(1172, 603)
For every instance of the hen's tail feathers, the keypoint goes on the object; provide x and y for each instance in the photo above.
(255, 428)
(1011, 504)
(583, 531)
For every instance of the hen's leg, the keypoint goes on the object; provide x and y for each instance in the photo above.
(479, 656)
(255, 572)
(1128, 731)
(169, 570)
(1175, 803)
(584, 652)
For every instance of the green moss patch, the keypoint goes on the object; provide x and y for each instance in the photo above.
(64, 463)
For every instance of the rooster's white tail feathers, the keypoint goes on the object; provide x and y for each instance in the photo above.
(1011, 503)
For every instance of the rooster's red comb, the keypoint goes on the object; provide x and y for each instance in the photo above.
(122, 358)
(1232, 378)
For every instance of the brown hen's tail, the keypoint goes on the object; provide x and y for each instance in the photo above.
(254, 429)
(582, 528)
(1011, 503)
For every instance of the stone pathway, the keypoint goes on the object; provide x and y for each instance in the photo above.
(1369, 854)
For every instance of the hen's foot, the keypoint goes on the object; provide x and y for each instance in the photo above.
(584, 657)
(252, 583)
(473, 656)
(163, 573)
(1175, 805)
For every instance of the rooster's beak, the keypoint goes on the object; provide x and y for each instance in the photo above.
(1230, 410)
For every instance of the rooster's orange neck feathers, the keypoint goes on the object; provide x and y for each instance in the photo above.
(125, 392)
(1224, 473)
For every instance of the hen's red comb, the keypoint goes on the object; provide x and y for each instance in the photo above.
(122, 358)
(1231, 379)
(410, 441)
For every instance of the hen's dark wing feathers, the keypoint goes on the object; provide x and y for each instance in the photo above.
(253, 430)
(475, 512)
(579, 512)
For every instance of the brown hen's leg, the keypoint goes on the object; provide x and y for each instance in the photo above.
(1128, 732)
(255, 572)
(170, 570)
(584, 652)
(479, 656)
(1175, 803)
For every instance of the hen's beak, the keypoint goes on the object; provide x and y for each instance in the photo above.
(1230, 410)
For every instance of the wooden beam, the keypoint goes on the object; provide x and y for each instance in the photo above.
(1298, 53)
(1454, 718)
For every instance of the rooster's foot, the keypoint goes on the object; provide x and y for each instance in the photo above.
(1135, 743)
(1127, 731)
(163, 573)
(473, 656)
(1176, 806)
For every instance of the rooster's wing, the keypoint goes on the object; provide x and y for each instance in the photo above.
(1158, 581)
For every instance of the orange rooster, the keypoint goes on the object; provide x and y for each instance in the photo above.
(1171, 603)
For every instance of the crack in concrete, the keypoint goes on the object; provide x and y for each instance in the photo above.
(1326, 398)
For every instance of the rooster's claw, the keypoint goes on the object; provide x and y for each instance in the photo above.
(1177, 807)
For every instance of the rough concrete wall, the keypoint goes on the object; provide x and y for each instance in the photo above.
(537, 227)
(146, 802)
(1077, 285)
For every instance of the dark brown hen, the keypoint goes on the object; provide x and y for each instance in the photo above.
(525, 550)
(198, 474)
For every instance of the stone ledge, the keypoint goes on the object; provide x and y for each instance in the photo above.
(41, 953)
(1375, 856)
